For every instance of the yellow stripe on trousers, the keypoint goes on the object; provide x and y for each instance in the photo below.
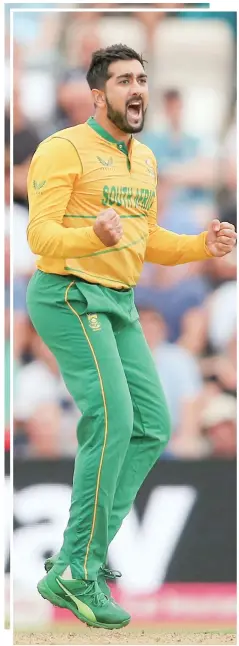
(105, 431)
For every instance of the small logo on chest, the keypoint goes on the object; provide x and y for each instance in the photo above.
(94, 322)
(106, 163)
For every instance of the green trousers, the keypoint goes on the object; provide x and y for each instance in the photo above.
(96, 337)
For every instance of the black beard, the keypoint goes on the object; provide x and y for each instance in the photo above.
(120, 120)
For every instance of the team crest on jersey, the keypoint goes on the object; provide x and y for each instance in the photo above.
(107, 163)
(150, 167)
(94, 322)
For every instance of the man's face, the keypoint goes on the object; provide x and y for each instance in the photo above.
(126, 95)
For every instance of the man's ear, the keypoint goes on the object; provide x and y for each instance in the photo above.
(98, 98)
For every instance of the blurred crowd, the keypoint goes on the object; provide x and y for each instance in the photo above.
(188, 313)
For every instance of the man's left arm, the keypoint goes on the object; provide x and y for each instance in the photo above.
(167, 248)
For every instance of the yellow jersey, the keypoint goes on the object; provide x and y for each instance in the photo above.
(79, 172)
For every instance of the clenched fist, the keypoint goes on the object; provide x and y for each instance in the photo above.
(221, 238)
(108, 227)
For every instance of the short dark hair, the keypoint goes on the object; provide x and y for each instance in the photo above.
(97, 74)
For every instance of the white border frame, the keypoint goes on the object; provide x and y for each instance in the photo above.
(222, 5)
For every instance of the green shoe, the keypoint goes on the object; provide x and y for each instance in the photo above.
(105, 574)
(84, 599)
(50, 562)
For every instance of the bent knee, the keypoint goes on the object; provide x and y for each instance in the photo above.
(121, 413)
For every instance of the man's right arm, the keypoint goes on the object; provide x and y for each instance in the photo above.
(52, 174)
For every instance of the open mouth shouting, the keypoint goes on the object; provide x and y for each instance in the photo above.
(134, 111)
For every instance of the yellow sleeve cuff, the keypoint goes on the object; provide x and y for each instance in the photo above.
(207, 251)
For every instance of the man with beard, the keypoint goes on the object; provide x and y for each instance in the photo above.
(92, 195)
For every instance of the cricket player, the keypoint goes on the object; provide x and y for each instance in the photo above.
(93, 222)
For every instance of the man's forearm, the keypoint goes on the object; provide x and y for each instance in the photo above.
(52, 240)
(168, 248)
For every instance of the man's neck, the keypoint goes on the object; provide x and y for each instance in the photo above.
(110, 127)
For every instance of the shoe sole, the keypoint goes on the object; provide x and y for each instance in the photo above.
(56, 600)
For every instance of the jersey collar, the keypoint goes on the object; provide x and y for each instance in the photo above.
(106, 135)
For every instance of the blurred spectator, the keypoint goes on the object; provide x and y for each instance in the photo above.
(81, 41)
(228, 210)
(150, 21)
(23, 267)
(7, 293)
(24, 260)
(45, 415)
(179, 374)
(221, 368)
(74, 101)
(222, 269)
(7, 338)
(173, 291)
(7, 376)
(10, 371)
(225, 269)
(221, 327)
(219, 426)
(194, 331)
(7, 81)
(25, 142)
(229, 155)
(217, 436)
(187, 171)
(36, 32)
(207, 326)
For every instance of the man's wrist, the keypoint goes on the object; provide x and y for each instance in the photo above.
(206, 248)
